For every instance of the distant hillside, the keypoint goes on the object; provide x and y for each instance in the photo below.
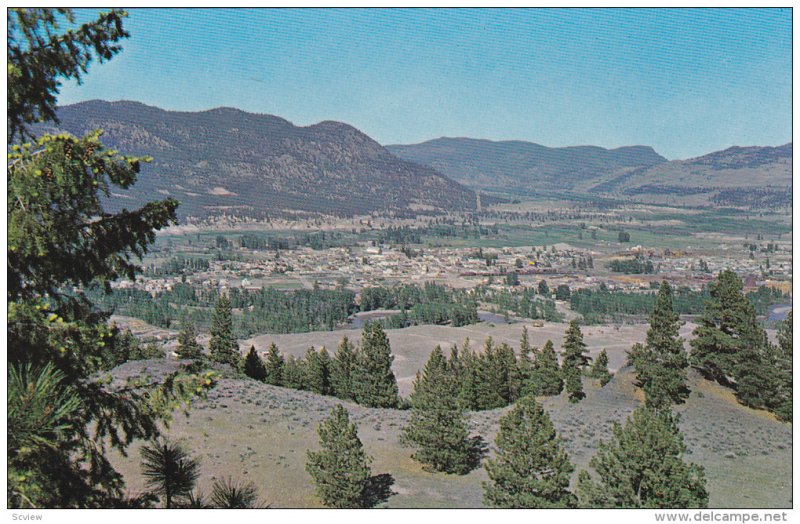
(755, 177)
(226, 161)
(520, 167)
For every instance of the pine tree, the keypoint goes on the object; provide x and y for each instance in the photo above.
(294, 373)
(469, 379)
(438, 426)
(188, 348)
(341, 468)
(575, 359)
(526, 356)
(232, 494)
(254, 366)
(318, 371)
(531, 468)
(730, 347)
(546, 378)
(169, 470)
(492, 380)
(782, 363)
(342, 370)
(642, 467)
(374, 383)
(274, 366)
(59, 237)
(223, 345)
(600, 369)
(661, 363)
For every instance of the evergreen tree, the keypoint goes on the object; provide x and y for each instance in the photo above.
(230, 494)
(223, 345)
(575, 359)
(731, 347)
(546, 378)
(61, 237)
(543, 288)
(600, 369)
(438, 426)
(531, 468)
(782, 358)
(511, 384)
(374, 383)
(642, 467)
(274, 367)
(526, 355)
(188, 348)
(661, 363)
(318, 366)
(492, 378)
(342, 370)
(294, 373)
(169, 470)
(254, 366)
(341, 468)
(469, 378)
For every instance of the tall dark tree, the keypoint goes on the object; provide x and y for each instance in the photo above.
(169, 471)
(782, 363)
(60, 237)
(187, 340)
(575, 359)
(344, 362)
(600, 369)
(531, 468)
(274, 366)
(546, 378)
(642, 466)
(374, 383)
(341, 468)
(730, 347)
(294, 373)
(469, 378)
(254, 366)
(438, 425)
(318, 365)
(661, 363)
(223, 345)
(492, 379)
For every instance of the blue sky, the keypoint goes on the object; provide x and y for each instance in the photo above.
(686, 82)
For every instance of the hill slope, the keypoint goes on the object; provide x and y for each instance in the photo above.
(522, 167)
(753, 177)
(226, 161)
(757, 177)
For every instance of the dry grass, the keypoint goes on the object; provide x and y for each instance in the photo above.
(261, 433)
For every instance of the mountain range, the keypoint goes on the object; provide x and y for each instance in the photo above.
(737, 176)
(227, 161)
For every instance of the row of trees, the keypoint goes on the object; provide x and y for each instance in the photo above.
(362, 373)
(640, 466)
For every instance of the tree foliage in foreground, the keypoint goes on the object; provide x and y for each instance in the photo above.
(341, 468)
(60, 237)
(438, 425)
(169, 471)
(642, 466)
(531, 468)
